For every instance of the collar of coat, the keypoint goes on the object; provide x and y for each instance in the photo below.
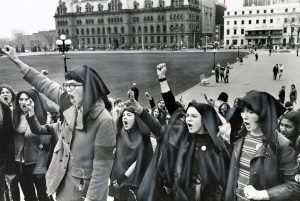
(70, 114)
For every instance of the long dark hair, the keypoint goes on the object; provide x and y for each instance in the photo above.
(39, 109)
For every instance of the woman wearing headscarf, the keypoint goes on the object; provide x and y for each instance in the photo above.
(31, 150)
(263, 163)
(133, 154)
(7, 151)
(83, 156)
(192, 159)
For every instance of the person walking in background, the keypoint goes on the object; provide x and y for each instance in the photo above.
(135, 91)
(226, 74)
(241, 60)
(281, 94)
(293, 94)
(217, 72)
(256, 56)
(275, 71)
(83, 159)
(280, 69)
(222, 73)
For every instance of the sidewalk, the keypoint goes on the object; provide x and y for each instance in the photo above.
(257, 75)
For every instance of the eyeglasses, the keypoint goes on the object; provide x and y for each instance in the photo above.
(71, 86)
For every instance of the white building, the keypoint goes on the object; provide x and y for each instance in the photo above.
(262, 23)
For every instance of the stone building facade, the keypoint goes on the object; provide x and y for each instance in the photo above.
(138, 24)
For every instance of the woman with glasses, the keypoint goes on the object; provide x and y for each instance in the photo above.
(263, 162)
(83, 156)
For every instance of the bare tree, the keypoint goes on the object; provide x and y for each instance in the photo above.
(50, 36)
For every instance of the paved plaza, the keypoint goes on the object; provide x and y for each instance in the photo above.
(250, 75)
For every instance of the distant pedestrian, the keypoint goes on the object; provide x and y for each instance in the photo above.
(293, 94)
(222, 73)
(217, 72)
(241, 60)
(281, 94)
(226, 74)
(280, 68)
(135, 91)
(256, 56)
(270, 51)
(275, 72)
(297, 51)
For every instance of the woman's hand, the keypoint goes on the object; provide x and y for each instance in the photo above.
(134, 103)
(161, 70)
(30, 106)
(10, 52)
(253, 194)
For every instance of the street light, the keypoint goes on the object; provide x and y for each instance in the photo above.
(238, 51)
(63, 46)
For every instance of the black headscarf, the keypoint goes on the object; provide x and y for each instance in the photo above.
(265, 106)
(210, 121)
(39, 109)
(93, 86)
(133, 145)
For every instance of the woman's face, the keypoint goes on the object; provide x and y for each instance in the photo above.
(224, 109)
(287, 128)
(250, 119)
(193, 120)
(6, 95)
(128, 120)
(23, 101)
(75, 91)
(161, 105)
(155, 113)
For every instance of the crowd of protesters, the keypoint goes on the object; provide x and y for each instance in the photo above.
(73, 143)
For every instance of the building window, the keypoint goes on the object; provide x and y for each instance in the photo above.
(235, 22)
(284, 30)
(104, 40)
(235, 13)
(146, 39)
(243, 12)
(158, 39)
(228, 13)
(242, 41)
(271, 21)
(123, 40)
(264, 21)
(116, 30)
(272, 11)
(140, 39)
(88, 41)
(99, 40)
(228, 32)
(122, 29)
(294, 9)
(265, 11)
(257, 21)
(285, 20)
(165, 39)
(234, 31)
(249, 22)
(94, 40)
(293, 19)
(257, 11)
(227, 22)
(250, 12)
(133, 39)
(152, 39)
(172, 39)
(227, 42)
(242, 22)
(242, 31)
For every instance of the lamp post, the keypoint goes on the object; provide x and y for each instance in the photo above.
(238, 51)
(63, 46)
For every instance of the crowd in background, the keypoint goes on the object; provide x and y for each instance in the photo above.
(73, 142)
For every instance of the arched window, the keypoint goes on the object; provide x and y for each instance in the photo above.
(109, 30)
(171, 28)
(122, 29)
(82, 31)
(145, 29)
(87, 31)
(93, 31)
(103, 30)
(133, 29)
(116, 30)
(164, 28)
(98, 31)
(139, 29)
(158, 29)
(77, 31)
(151, 29)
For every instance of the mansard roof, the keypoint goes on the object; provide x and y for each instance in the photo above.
(126, 4)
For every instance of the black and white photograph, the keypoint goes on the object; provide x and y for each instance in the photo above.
(149, 100)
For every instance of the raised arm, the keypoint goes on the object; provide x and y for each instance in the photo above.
(167, 94)
(43, 84)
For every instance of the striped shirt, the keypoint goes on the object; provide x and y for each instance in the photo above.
(250, 147)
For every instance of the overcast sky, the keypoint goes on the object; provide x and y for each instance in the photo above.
(26, 16)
